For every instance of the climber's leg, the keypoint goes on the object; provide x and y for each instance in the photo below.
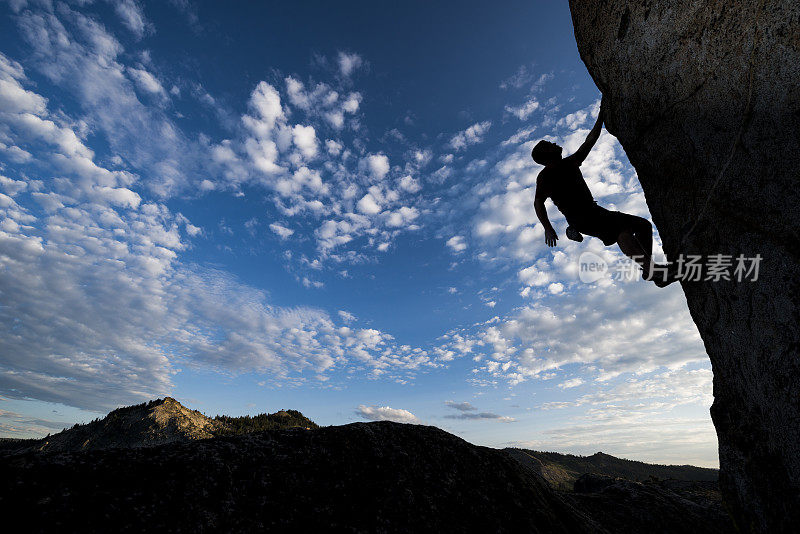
(643, 232)
(631, 247)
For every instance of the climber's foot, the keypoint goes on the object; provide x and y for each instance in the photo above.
(662, 277)
(573, 234)
(663, 281)
(649, 274)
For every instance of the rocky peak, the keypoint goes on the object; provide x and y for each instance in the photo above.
(151, 423)
(169, 413)
(157, 422)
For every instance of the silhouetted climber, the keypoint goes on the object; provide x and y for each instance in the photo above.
(562, 181)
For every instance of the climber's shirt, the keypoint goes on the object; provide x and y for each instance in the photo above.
(563, 183)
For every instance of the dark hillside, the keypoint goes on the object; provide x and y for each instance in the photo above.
(363, 477)
(562, 470)
(160, 466)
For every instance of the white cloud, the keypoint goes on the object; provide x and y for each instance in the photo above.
(352, 103)
(524, 77)
(335, 119)
(297, 95)
(192, 230)
(333, 233)
(130, 12)
(536, 275)
(571, 383)
(401, 217)
(518, 79)
(346, 316)
(627, 328)
(322, 102)
(76, 53)
(15, 154)
(89, 251)
(471, 136)
(555, 288)
(506, 212)
(349, 62)
(266, 102)
(305, 139)
(575, 120)
(457, 243)
(12, 187)
(147, 82)
(312, 283)
(523, 111)
(281, 231)
(368, 205)
(333, 148)
(324, 183)
(377, 165)
(409, 184)
(65, 149)
(263, 155)
(128, 308)
(13, 97)
(385, 413)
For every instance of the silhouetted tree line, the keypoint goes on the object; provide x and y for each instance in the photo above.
(264, 421)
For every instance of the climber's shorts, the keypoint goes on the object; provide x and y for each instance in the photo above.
(605, 224)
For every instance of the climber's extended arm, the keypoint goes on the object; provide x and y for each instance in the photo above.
(550, 236)
(591, 139)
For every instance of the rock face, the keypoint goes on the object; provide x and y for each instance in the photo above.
(704, 98)
(152, 423)
(363, 477)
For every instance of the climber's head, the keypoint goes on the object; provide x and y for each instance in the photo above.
(546, 153)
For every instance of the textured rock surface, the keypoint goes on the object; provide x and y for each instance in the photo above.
(153, 423)
(704, 98)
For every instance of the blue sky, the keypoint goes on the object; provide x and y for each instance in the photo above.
(325, 207)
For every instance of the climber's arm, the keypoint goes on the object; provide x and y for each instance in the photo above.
(550, 236)
(591, 139)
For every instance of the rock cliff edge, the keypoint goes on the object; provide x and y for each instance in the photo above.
(704, 99)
